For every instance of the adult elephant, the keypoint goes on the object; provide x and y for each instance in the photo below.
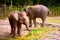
(36, 11)
(17, 18)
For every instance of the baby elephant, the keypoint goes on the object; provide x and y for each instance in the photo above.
(17, 18)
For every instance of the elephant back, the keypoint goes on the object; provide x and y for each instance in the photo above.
(13, 15)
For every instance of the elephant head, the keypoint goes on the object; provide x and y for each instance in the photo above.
(28, 10)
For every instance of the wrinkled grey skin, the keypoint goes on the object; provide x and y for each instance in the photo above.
(37, 11)
(17, 18)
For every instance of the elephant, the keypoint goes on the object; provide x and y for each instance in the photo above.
(37, 11)
(17, 18)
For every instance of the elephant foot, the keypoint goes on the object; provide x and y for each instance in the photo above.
(19, 35)
(28, 29)
(30, 26)
(35, 26)
(42, 26)
(11, 34)
(14, 36)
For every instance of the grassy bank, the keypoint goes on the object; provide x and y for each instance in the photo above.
(53, 19)
(35, 34)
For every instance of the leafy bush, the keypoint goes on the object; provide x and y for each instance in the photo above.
(55, 10)
(3, 14)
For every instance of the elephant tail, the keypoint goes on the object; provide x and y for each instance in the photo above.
(49, 13)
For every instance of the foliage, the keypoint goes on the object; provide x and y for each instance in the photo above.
(34, 34)
(30, 2)
(55, 10)
(54, 5)
(13, 8)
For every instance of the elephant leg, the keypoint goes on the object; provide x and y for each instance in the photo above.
(43, 23)
(34, 21)
(30, 22)
(19, 29)
(11, 24)
(11, 30)
(14, 31)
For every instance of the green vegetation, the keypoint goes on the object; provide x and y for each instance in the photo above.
(54, 6)
(34, 34)
(4, 15)
(55, 11)
(31, 2)
(54, 21)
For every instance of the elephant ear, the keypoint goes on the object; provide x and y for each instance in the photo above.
(30, 9)
(16, 16)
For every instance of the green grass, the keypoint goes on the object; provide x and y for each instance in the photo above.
(35, 34)
(51, 19)
(54, 21)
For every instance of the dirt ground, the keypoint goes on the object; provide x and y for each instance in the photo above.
(5, 29)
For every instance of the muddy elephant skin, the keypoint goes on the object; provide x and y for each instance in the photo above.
(17, 18)
(37, 11)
